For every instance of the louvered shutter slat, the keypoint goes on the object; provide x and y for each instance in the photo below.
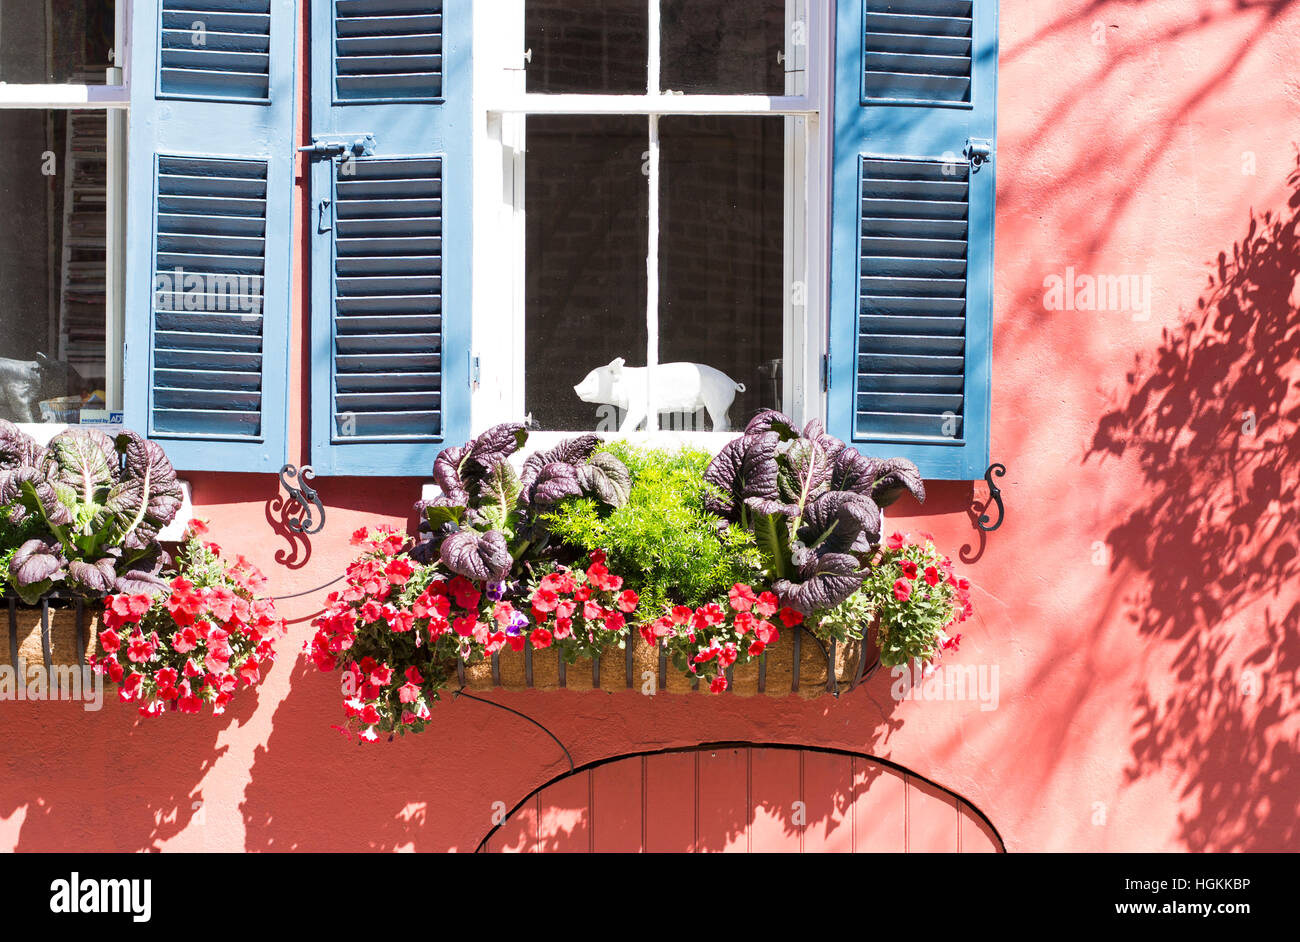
(215, 49)
(917, 51)
(388, 381)
(190, 359)
(928, 268)
(388, 50)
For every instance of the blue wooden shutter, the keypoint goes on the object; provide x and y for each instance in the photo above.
(912, 239)
(210, 184)
(390, 260)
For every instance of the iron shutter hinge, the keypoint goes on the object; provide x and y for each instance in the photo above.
(475, 372)
(826, 372)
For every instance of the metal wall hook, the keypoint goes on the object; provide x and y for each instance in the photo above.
(305, 497)
(995, 497)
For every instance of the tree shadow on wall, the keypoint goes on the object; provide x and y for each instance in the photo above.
(123, 783)
(1213, 420)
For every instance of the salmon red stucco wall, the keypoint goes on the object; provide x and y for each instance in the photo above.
(1140, 604)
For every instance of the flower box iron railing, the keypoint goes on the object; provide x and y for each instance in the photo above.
(804, 665)
(58, 631)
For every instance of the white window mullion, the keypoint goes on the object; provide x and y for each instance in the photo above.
(653, 83)
(115, 256)
(652, 278)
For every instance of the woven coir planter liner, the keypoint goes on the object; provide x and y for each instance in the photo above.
(55, 633)
(774, 674)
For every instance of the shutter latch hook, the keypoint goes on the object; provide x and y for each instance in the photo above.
(978, 151)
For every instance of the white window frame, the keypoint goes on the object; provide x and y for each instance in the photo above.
(114, 99)
(500, 107)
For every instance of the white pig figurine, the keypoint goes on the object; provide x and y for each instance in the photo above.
(678, 387)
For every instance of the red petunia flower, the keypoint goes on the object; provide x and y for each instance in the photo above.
(399, 571)
(741, 597)
(250, 672)
(902, 590)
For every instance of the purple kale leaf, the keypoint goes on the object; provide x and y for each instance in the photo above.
(85, 460)
(483, 557)
(17, 448)
(34, 569)
(147, 495)
(840, 522)
(895, 477)
(32, 496)
(746, 468)
(571, 451)
(821, 581)
(606, 479)
(144, 576)
(770, 420)
(555, 482)
(97, 578)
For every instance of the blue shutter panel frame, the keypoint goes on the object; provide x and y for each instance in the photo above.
(391, 251)
(912, 231)
(209, 230)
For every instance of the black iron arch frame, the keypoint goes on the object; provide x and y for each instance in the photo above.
(704, 747)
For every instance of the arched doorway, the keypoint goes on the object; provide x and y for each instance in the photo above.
(742, 798)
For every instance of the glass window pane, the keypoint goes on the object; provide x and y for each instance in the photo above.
(723, 47)
(587, 201)
(52, 265)
(56, 42)
(722, 277)
(591, 46)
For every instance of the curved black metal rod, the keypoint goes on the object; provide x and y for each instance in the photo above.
(298, 595)
(306, 498)
(830, 667)
(462, 693)
(995, 497)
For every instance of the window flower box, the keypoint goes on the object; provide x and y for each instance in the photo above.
(649, 670)
(56, 632)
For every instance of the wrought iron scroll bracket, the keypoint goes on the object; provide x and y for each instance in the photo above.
(312, 518)
(995, 497)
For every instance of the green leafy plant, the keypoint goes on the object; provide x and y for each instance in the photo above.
(91, 508)
(848, 621)
(812, 503)
(485, 523)
(919, 598)
(672, 550)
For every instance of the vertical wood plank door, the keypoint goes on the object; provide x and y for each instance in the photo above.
(743, 799)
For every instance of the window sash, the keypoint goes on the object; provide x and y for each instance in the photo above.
(114, 98)
(500, 146)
